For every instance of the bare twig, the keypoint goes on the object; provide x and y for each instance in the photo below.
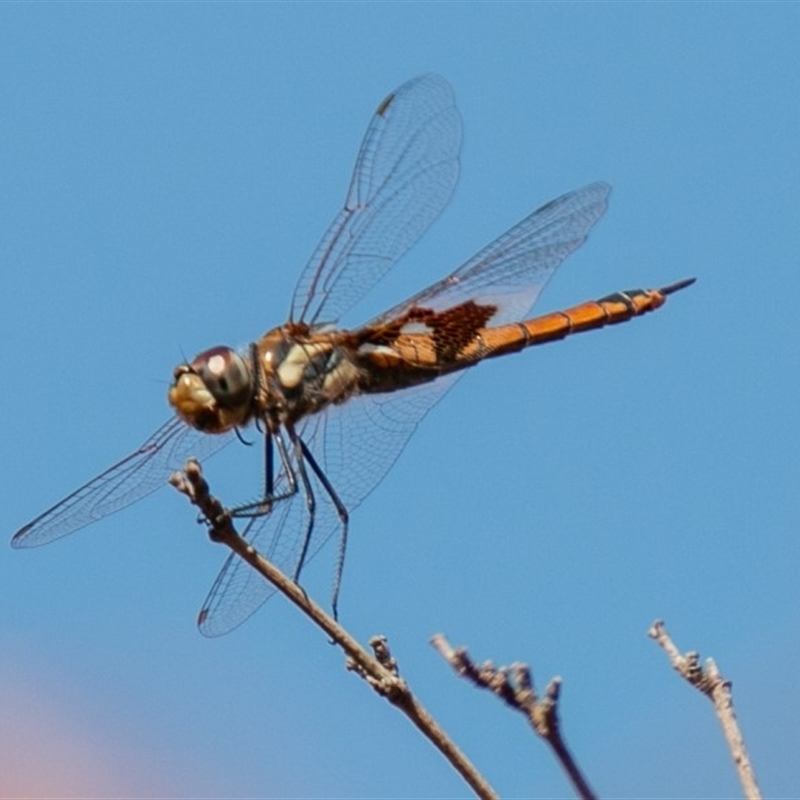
(710, 682)
(514, 685)
(379, 671)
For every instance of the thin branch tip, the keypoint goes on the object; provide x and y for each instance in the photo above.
(709, 680)
(514, 686)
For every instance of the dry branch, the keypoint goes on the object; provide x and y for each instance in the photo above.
(379, 669)
(514, 685)
(710, 682)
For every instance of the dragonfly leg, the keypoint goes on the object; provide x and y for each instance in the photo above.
(301, 453)
(264, 505)
(344, 517)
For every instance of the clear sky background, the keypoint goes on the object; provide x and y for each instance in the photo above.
(165, 172)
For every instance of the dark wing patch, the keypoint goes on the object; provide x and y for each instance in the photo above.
(456, 328)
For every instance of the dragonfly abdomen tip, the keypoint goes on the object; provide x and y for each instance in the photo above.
(676, 287)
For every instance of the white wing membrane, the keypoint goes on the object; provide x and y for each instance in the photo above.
(127, 481)
(517, 265)
(404, 176)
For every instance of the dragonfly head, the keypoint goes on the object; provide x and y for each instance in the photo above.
(214, 392)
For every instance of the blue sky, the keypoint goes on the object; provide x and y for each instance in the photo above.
(166, 171)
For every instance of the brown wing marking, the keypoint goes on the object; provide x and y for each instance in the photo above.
(426, 338)
(456, 328)
(397, 354)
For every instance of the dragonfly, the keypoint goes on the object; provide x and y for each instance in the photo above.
(336, 406)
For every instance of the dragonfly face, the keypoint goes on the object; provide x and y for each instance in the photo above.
(214, 392)
(338, 406)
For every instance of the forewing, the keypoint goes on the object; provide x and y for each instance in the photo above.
(512, 271)
(136, 476)
(355, 444)
(404, 176)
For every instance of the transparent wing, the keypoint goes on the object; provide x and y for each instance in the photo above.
(355, 445)
(404, 176)
(514, 268)
(129, 480)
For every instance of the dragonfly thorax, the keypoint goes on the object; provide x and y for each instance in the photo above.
(304, 370)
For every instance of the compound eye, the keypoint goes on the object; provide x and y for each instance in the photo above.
(225, 375)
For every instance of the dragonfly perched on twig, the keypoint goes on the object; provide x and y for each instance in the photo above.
(335, 406)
